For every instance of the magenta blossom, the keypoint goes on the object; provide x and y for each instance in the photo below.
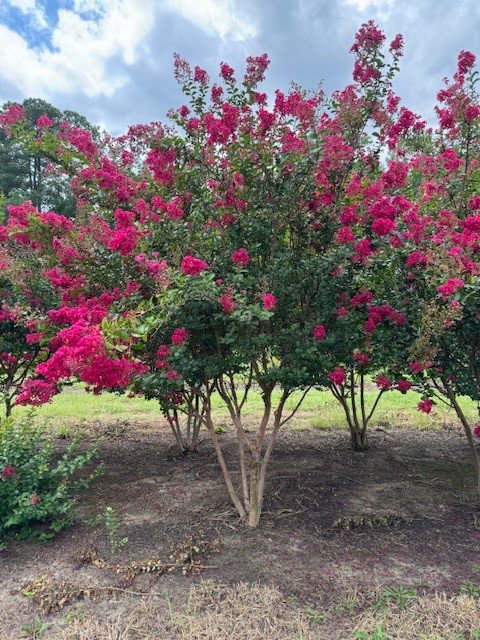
(403, 385)
(361, 358)
(241, 257)
(228, 303)
(425, 405)
(319, 332)
(179, 336)
(383, 382)
(269, 301)
(44, 122)
(193, 266)
(337, 376)
(450, 287)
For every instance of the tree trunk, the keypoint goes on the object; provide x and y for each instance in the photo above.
(359, 439)
(8, 406)
(467, 429)
(255, 498)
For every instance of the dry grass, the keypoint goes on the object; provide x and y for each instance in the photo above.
(434, 617)
(213, 611)
(217, 611)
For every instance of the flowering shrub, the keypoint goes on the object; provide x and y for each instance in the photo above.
(37, 491)
(265, 243)
(24, 298)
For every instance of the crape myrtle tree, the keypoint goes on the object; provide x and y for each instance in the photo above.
(433, 263)
(205, 317)
(25, 297)
(247, 245)
(215, 269)
(366, 336)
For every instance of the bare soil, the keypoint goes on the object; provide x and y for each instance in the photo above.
(338, 527)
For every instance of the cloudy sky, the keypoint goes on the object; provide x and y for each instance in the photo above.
(112, 60)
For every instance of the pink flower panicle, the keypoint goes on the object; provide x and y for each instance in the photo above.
(8, 471)
(269, 301)
(193, 266)
(360, 358)
(163, 351)
(227, 72)
(179, 336)
(337, 376)
(368, 38)
(466, 61)
(319, 332)
(256, 67)
(14, 113)
(44, 122)
(241, 257)
(425, 405)
(450, 287)
(36, 392)
(403, 385)
(228, 303)
(383, 382)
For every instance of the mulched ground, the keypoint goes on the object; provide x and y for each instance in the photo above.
(337, 525)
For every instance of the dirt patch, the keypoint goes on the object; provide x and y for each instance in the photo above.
(337, 528)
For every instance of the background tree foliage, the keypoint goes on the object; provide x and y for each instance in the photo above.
(23, 172)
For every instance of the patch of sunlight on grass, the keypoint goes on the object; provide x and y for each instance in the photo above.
(75, 405)
(319, 410)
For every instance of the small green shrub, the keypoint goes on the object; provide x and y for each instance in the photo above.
(378, 634)
(470, 589)
(399, 595)
(112, 525)
(36, 488)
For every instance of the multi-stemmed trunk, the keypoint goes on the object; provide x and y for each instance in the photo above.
(351, 396)
(186, 423)
(254, 452)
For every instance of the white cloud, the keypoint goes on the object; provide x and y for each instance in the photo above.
(87, 5)
(24, 5)
(366, 4)
(216, 17)
(82, 49)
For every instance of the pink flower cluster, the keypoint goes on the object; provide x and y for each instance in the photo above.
(269, 301)
(8, 471)
(193, 266)
(319, 332)
(80, 350)
(450, 287)
(337, 376)
(241, 257)
(228, 303)
(179, 336)
(425, 405)
(403, 385)
(35, 392)
(383, 382)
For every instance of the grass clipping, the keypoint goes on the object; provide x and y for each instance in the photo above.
(213, 611)
(219, 611)
(433, 616)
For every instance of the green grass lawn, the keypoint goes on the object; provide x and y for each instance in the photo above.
(320, 410)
